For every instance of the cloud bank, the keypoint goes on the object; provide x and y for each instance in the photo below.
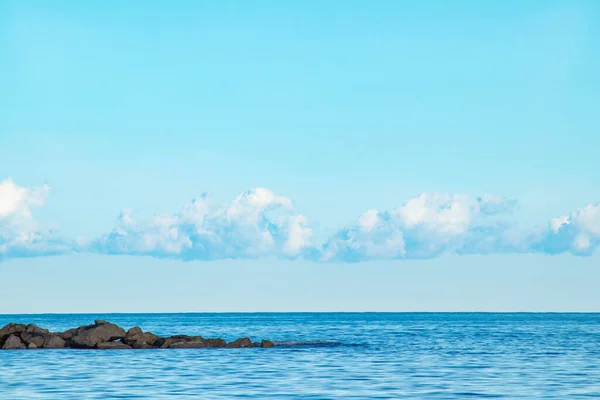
(20, 234)
(423, 227)
(259, 223)
(256, 223)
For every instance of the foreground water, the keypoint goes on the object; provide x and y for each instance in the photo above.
(380, 356)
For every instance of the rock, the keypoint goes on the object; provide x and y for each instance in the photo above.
(192, 344)
(13, 342)
(140, 344)
(179, 341)
(112, 346)
(105, 335)
(66, 335)
(150, 338)
(54, 342)
(215, 343)
(89, 336)
(137, 339)
(240, 343)
(32, 328)
(135, 331)
(33, 338)
(9, 329)
(133, 335)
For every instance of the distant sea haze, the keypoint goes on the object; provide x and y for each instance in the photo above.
(344, 356)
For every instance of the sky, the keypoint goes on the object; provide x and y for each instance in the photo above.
(299, 156)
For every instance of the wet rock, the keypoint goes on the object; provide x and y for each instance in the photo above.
(105, 335)
(32, 328)
(215, 343)
(89, 336)
(112, 346)
(10, 329)
(13, 342)
(150, 338)
(138, 339)
(68, 334)
(140, 344)
(180, 342)
(192, 344)
(54, 342)
(36, 339)
(133, 335)
(240, 343)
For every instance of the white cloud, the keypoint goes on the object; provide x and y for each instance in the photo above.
(431, 224)
(423, 227)
(256, 223)
(578, 233)
(20, 234)
(259, 223)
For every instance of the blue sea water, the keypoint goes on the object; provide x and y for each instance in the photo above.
(379, 356)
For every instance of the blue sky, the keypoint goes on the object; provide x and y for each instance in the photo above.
(269, 156)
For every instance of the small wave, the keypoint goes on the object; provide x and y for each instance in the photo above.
(307, 343)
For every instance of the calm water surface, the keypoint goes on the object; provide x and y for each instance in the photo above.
(380, 356)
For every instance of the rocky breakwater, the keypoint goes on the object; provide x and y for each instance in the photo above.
(103, 335)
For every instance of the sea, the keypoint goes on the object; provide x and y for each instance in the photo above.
(322, 356)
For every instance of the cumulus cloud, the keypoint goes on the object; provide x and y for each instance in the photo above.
(20, 234)
(256, 223)
(577, 233)
(431, 224)
(423, 227)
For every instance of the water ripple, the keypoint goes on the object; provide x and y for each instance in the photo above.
(323, 356)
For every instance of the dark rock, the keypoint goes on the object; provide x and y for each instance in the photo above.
(192, 344)
(150, 338)
(182, 337)
(133, 335)
(32, 328)
(33, 338)
(178, 341)
(215, 343)
(135, 331)
(53, 342)
(137, 339)
(66, 335)
(13, 342)
(89, 336)
(140, 344)
(240, 343)
(10, 329)
(105, 335)
(112, 346)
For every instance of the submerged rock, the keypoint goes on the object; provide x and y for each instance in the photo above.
(112, 346)
(103, 335)
(240, 343)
